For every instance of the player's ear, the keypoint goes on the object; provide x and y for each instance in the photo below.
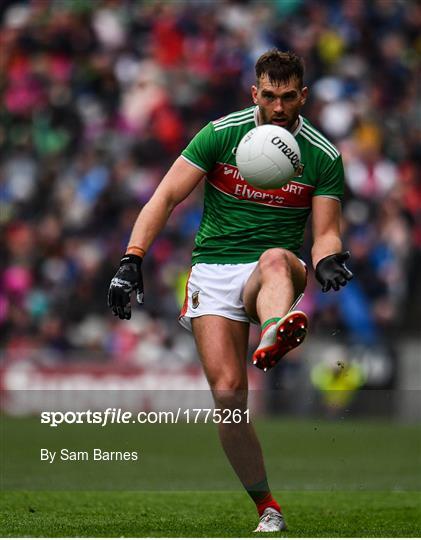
(254, 94)
(304, 94)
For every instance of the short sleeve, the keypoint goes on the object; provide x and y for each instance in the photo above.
(202, 149)
(331, 178)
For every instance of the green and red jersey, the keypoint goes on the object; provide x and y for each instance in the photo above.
(239, 221)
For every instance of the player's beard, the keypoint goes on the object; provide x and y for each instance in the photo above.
(263, 117)
(266, 119)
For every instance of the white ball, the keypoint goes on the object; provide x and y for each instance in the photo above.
(268, 156)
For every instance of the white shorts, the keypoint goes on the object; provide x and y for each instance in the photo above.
(217, 289)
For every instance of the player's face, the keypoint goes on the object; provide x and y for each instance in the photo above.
(279, 104)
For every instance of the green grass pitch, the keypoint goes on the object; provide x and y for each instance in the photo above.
(340, 479)
(204, 514)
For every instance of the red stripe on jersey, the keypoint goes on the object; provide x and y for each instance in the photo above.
(227, 178)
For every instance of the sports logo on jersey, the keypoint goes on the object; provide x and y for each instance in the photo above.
(195, 299)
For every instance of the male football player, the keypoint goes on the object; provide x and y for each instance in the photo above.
(245, 264)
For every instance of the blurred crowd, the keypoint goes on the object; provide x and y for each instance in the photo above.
(97, 98)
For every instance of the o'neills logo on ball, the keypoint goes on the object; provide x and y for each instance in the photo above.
(287, 151)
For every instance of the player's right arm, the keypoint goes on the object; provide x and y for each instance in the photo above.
(176, 185)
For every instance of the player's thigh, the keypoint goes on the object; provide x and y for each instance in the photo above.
(254, 282)
(222, 345)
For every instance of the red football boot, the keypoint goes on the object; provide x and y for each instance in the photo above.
(279, 338)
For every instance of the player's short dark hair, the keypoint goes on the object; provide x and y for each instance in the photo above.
(280, 66)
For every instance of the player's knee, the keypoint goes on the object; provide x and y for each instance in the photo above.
(230, 394)
(275, 260)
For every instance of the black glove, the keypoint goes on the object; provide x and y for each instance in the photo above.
(127, 279)
(332, 272)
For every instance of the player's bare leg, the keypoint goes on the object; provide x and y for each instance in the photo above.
(276, 282)
(222, 346)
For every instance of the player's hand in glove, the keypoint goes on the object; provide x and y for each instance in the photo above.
(127, 279)
(332, 272)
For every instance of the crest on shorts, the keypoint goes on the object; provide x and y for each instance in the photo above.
(195, 299)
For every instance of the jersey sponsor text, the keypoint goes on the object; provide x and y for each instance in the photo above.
(227, 178)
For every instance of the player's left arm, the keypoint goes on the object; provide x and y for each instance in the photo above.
(326, 217)
(327, 256)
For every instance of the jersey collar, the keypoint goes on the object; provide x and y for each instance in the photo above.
(256, 115)
(296, 130)
(299, 126)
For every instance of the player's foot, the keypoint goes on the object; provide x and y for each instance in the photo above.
(280, 338)
(271, 521)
